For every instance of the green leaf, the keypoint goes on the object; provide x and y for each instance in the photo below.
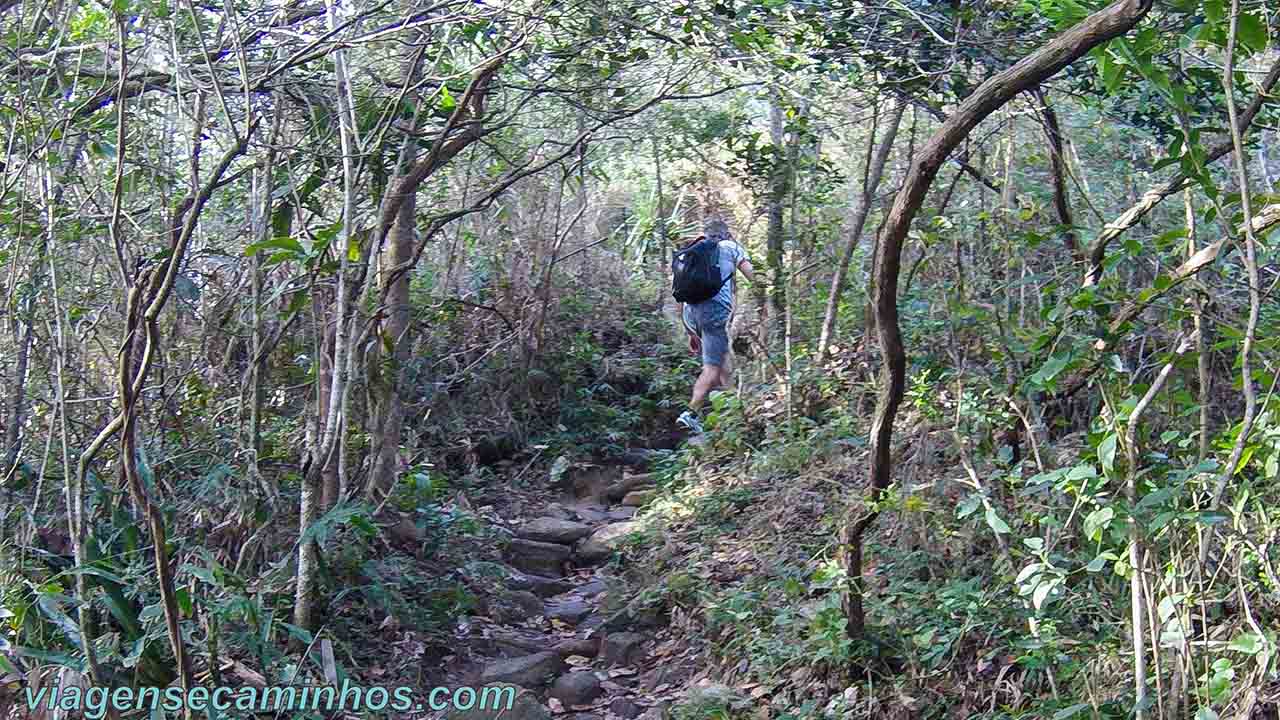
(1051, 368)
(447, 103)
(1097, 521)
(183, 596)
(135, 654)
(1042, 592)
(1096, 564)
(301, 633)
(353, 248)
(1212, 518)
(1027, 572)
(1034, 543)
(993, 520)
(1107, 453)
(280, 243)
(1248, 643)
(1214, 11)
(1071, 711)
(1112, 72)
(204, 574)
(1252, 32)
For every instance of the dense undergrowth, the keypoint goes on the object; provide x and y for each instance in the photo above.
(995, 589)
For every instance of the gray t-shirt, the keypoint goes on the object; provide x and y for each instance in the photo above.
(731, 253)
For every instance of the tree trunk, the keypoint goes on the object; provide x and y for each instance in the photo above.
(1111, 22)
(1058, 164)
(777, 201)
(387, 408)
(876, 160)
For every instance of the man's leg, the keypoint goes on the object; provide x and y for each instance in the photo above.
(706, 382)
(715, 361)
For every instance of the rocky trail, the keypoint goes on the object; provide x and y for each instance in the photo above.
(554, 630)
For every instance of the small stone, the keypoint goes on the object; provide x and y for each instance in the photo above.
(625, 708)
(639, 498)
(406, 532)
(622, 513)
(578, 646)
(528, 671)
(540, 558)
(592, 588)
(556, 511)
(513, 643)
(576, 688)
(552, 530)
(540, 585)
(605, 540)
(516, 607)
(624, 648)
(591, 515)
(570, 611)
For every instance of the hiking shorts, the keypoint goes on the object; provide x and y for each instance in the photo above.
(710, 322)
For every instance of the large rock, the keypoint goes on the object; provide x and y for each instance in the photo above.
(576, 688)
(539, 558)
(639, 498)
(515, 607)
(553, 530)
(524, 707)
(571, 611)
(538, 584)
(589, 481)
(529, 671)
(624, 648)
(604, 541)
(628, 484)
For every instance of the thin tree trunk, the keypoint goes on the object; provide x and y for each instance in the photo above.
(660, 229)
(1058, 163)
(388, 408)
(1251, 267)
(1137, 596)
(776, 230)
(876, 160)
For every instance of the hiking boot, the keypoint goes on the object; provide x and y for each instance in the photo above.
(689, 419)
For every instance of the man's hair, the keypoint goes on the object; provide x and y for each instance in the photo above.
(717, 229)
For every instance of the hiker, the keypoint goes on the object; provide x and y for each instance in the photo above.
(703, 284)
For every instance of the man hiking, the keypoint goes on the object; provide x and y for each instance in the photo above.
(703, 283)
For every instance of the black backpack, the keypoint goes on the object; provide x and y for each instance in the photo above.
(695, 271)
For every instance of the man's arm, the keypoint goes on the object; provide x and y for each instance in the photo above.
(747, 270)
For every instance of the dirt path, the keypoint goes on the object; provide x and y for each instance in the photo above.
(560, 629)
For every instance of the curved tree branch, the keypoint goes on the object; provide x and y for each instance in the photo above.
(1111, 22)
